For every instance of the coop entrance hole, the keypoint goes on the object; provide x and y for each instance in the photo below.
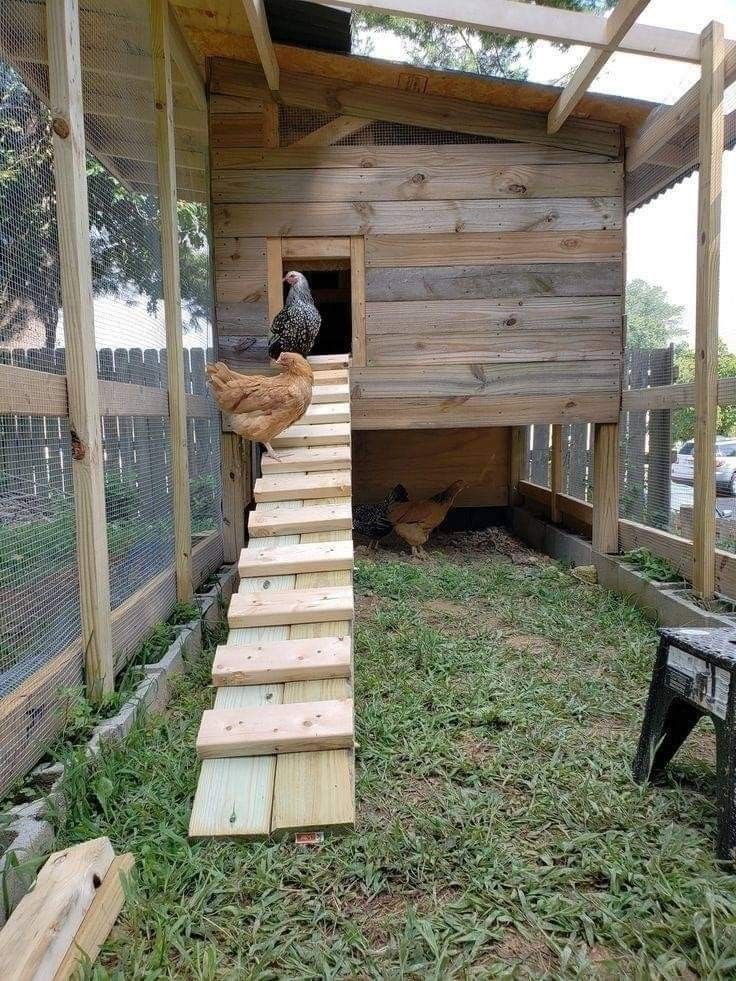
(329, 281)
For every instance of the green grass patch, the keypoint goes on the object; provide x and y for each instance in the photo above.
(652, 566)
(499, 830)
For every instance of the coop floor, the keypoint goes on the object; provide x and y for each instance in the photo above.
(498, 830)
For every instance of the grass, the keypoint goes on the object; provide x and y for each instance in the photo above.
(499, 834)
(652, 566)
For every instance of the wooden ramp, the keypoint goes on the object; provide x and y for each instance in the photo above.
(277, 746)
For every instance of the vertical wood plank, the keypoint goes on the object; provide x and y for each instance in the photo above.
(233, 501)
(555, 473)
(271, 125)
(166, 160)
(706, 306)
(357, 299)
(519, 452)
(605, 488)
(70, 168)
(274, 277)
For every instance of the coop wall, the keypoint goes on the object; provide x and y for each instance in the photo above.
(493, 271)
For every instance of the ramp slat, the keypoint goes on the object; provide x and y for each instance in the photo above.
(267, 609)
(316, 659)
(318, 435)
(302, 487)
(257, 560)
(319, 517)
(307, 460)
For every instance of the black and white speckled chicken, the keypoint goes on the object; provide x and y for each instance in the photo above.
(372, 520)
(295, 327)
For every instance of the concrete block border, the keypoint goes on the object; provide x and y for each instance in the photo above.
(667, 603)
(26, 835)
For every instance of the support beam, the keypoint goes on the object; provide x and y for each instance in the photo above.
(555, 474)
(184, 59)
(255, 11)
(706, 307)
(539, 21)
(667, 121)
(618, 25)
(336, 129)
(605, 488)
(70, 169)
(519, 452)
(164, 120)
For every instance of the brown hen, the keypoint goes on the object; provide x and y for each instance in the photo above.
(263, 406)
(414, 521)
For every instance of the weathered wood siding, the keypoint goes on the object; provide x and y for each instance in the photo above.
(493, 272)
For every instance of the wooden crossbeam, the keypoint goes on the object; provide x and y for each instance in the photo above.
(319, 458)
(336, 129)
(540, 21)
(184, 60)
(302, 487)
(284, 521)
(296, 606)
(618, 25)
(300, 727)
(283, 661)
(298, 435)
(255, 11)
(289, 560)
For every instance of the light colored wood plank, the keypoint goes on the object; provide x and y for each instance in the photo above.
(311, 659)
(268, 609)
(327, 362)
(711, 128)
(166, 157)
(318, 435)
(72, 207)
(186, 64)
(274, 277)
(556, 473)
(357, 299)
(326, 413)
(315, 791)
(294, 728)
(410, 183)
(517, 461)
(280, 520)
(605, 488)
(500, 248)
(336, 129)
(291, 559)
(42, 928)
(255, 11)
(302, 487)
(329, 376)
(233, 495)
(384, 217)
(542, 21)
(313, 460)
(24, 391)
(316, 248)
(620, 21)
(234, 797)
(99, 919)
(678, 396)
(330, 394)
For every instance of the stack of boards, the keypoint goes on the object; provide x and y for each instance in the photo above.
(277, 748)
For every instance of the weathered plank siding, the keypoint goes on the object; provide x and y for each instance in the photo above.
(493, 272)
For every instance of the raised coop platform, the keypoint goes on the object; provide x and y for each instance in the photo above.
(277, 748)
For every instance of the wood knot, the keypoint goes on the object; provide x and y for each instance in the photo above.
(510, 322)
(418, 179)
(61, 127)
(517, 188)
(570, 243)
(79, 450)
(459, 226)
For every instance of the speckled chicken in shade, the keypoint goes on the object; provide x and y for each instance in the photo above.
(296, 326)
(372, 521)
(262, 406)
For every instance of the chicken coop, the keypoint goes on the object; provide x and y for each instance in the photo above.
(162, 166)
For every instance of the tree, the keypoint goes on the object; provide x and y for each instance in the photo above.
(651, 320)
(124, 227)
(683, 420)
(452, 47)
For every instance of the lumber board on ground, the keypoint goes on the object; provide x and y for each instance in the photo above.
(267, 729)
(317, 517)
(100, 917)
(292, 559)
(42, 928)
(304, 459)
(302, 487)
(334, 434)
(314, 791)
(267, 609)
(310, 659)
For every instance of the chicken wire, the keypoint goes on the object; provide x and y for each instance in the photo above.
(577, 460)
(539, 455)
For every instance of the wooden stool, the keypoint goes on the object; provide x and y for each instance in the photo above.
(694, 676)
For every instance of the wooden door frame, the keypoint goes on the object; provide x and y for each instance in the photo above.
(348, 247)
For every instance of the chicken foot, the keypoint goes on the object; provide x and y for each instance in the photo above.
(272, 452)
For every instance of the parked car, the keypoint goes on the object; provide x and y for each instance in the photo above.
(683, 470)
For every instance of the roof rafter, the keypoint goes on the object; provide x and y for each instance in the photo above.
(620, 22)
(255, 11)
(184, 60)
(540, 21)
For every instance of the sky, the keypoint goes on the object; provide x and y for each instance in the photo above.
(661, 237)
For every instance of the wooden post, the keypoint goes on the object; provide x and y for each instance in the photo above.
(518, 461)
(166, 159)
(706, 306)
(72, 207)
(357, 299)
(555, 473)
(605, 488)
(233, 498)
